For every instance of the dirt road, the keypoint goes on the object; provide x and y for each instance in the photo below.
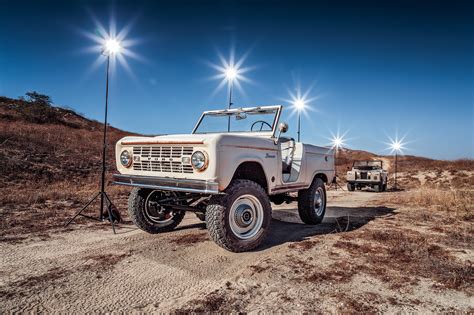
(92, 270)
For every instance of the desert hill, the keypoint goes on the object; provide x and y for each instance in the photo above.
(46, 144)
(50, 159)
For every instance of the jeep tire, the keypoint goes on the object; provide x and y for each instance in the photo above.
(312, 202)
(350, 187)
(148, 215)
(239, 220)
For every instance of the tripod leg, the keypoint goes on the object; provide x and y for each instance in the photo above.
(83, 208)
(109, 207)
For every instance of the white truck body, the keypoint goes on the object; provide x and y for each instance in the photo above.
(167, 157)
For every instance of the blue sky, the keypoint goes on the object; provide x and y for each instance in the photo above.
(379, 68)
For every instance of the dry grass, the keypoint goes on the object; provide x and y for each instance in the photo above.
(33, 284)
(214, 302)
(410, 162)
(304, 245)
(456, 203)
(36, 210)
(100, 262)
(50, 160)
(402, 256)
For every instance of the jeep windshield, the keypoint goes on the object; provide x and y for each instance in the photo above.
(368, 165)
(260, 120)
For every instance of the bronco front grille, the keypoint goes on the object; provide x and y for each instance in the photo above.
(363, 175)
(168, 159)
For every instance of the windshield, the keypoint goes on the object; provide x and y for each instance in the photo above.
(368, 165)
(259, 119)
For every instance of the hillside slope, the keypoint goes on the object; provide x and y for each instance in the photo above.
(48, 144)
(51, 160)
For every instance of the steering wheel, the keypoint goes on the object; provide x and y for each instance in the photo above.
(261, 126)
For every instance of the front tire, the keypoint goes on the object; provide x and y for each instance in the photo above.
(312, 202)
(146, 212)
(350, 187)
(239, 220)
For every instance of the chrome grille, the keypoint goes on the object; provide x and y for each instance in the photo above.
(167, 159)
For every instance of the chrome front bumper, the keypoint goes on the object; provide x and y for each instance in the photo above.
(364, 181)
(165, 183)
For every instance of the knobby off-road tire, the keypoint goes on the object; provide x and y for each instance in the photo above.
(312, 202)
(239, 220)
(139, 212)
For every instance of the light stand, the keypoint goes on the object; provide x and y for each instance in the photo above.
(299, 104)
(104, 198)
(396, 147)
(396, 165)
(231, 83)
(337, 143)
(299, 124)
(334, 182)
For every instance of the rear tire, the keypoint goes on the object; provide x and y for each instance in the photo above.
(239, 220)
(145, 211)
(312, 202)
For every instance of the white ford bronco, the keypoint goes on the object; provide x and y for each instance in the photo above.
(226, 171)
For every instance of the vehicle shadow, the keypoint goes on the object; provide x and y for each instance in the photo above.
(199, 226)
(287, 228)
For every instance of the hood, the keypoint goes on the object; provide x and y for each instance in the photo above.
(169, 139)
(194, 139)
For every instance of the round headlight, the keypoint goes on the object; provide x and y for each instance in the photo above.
(199, 160)
(126, 158)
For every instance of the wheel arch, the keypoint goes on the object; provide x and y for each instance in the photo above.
(251, 170)
(321, 175)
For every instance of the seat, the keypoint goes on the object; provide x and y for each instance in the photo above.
(287, 151)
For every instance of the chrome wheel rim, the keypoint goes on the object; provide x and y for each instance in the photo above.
(319, 201)
(154, 211)
(246, 217)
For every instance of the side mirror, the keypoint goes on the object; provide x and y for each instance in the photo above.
(282, 128)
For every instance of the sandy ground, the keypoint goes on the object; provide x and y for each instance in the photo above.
(90, 269)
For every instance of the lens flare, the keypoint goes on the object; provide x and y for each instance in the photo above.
(231, 72)
(396, 145)
(112, 43)
(112, 46)
(300, 103)
(337, 140)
